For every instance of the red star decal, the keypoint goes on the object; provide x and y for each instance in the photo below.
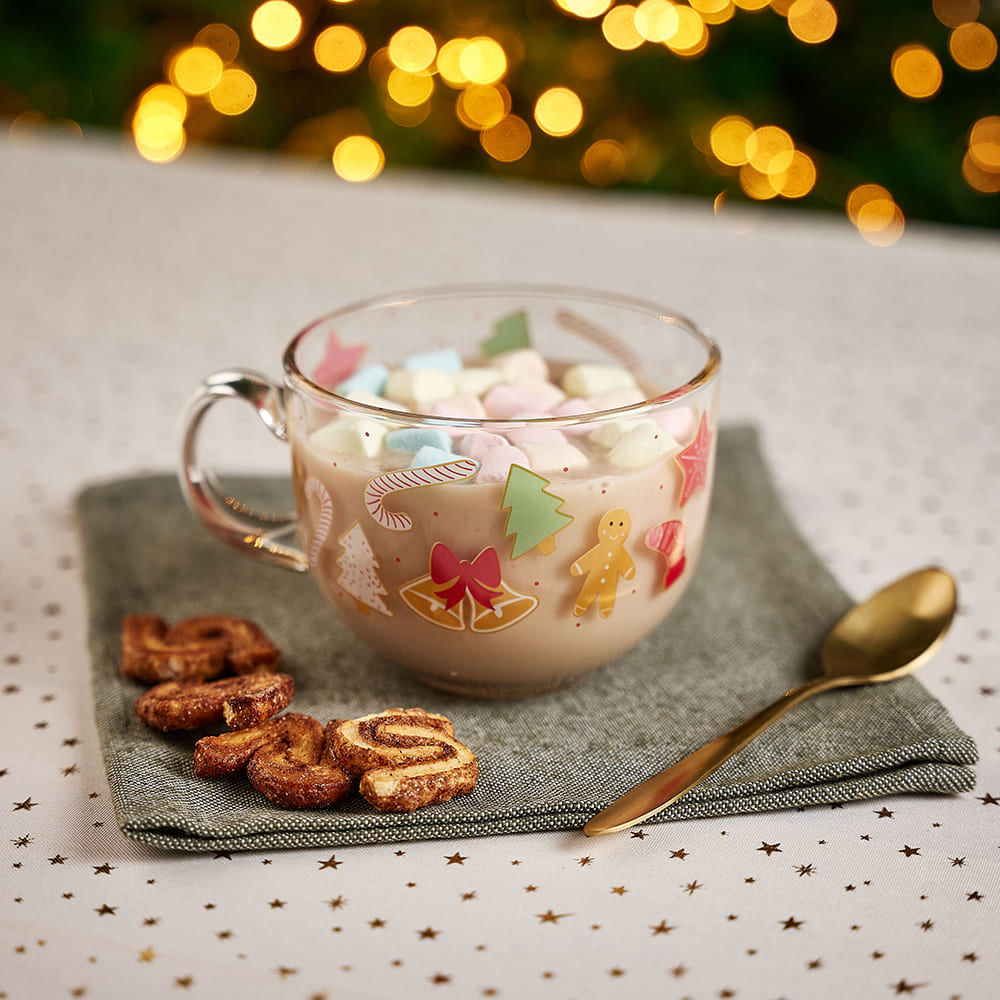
(693, 461)
(338, 362)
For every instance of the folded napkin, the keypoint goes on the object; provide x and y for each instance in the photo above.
(748, 629)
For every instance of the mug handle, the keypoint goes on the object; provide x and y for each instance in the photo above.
(223, 515)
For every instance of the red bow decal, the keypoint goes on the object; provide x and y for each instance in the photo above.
(455, 576)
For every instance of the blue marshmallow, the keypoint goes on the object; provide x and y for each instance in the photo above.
(429, 455)
(371, 378)
(445, 360)
(412, 439)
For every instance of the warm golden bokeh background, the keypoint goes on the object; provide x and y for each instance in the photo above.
(883, 111)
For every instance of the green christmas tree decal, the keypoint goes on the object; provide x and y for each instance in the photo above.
(533, 515)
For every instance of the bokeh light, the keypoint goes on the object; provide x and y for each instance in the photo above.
(483, 60)
(619, 27)
(603, 163)
(952, 13)
(812, 21)
(756, 183)
(482, 106)
(916, 71)
(339, 48)
(796, 179)
(234, 93)
(508, 140)
(409, 89)
(691, 37)
(984, 143)
(656, 20)
(769, 147)
(728, 140)
(196, 70)
(559, 111)
(221, 39)
(276, 24)
(875, 213)
(412, 49)
(358, 158)
(449, 62)
(973, 46)
(584, 8)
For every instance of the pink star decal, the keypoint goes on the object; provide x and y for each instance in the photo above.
(338, 362)
(693, 461)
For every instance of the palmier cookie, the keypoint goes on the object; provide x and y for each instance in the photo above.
(238, 701)
(407, 758)
(197, 648)
(284, 758)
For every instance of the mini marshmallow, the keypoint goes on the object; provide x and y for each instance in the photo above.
(412, 439)
(371, 379)
(370, 399)
(573, 407)
(476, 445)
(429, 455)
(465, 405)
(679, 423)
(350, 437)
(524, 362)
(506, 401)
(607, 435)
(418, 389)
(641, 445)
(551, 456)
(475, 381)
(592, 379)
(613, 398)
(532, 434)
(494, 467)
(445, 360)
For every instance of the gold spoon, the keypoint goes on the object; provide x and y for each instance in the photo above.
(887, 636)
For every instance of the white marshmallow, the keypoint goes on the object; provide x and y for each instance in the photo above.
(418, 389)
(552, 456)
(613, 398)
(475, 381)
(369, 398)
(350, 437)
(641, 445)
(592, 379)
(524, 362)
(607, 435)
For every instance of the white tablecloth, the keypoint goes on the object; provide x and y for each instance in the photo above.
(874, 376)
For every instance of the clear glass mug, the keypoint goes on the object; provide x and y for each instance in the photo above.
(532, 544)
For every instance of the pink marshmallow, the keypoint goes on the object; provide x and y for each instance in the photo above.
(477, 444)
(464, 405)
(506, 401)
(679, 423)
(530, 434)
(574, 406)
(494, 466)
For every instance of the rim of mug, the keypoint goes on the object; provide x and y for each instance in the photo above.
(672, 397)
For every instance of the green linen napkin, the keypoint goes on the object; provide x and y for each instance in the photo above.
(748, 629)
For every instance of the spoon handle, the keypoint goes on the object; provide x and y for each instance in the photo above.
(668, 786)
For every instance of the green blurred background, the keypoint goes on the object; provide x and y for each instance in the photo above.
(903, 94)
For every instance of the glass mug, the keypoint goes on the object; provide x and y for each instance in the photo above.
(494, 555)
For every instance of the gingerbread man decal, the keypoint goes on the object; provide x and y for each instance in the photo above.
(604, 563)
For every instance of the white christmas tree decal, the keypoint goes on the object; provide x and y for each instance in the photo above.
(358, 571)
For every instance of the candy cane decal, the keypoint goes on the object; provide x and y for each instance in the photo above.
(412, 479)
(314, 488)
(604, 339)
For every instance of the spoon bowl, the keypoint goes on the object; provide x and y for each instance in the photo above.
(882, 639)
